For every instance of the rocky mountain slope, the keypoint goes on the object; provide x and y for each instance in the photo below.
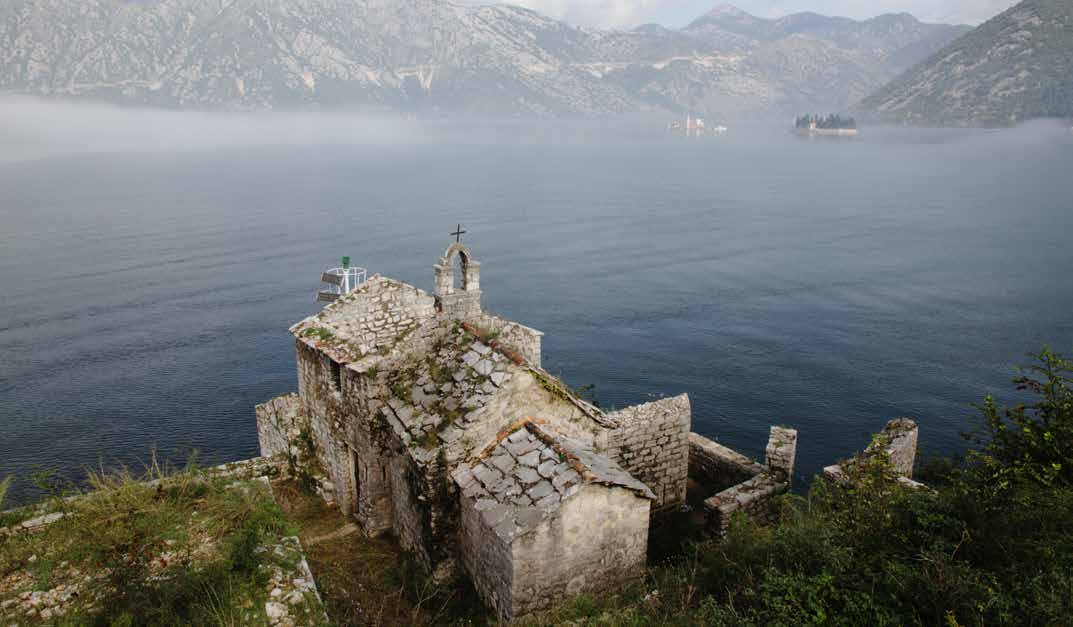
(435, 56)
(1016, 66)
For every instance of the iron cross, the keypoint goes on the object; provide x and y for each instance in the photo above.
(458, 233)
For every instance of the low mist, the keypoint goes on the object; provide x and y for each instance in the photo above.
(32, 128)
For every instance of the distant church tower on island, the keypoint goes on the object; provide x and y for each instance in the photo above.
(433, 420)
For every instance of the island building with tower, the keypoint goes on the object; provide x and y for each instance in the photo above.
(695, 127)
(424, 416)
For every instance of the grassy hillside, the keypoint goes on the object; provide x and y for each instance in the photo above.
(185, 549)
(1016, 66)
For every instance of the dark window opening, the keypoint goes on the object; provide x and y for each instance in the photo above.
(337, 376)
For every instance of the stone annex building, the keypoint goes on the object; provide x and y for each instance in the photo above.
(424, 416)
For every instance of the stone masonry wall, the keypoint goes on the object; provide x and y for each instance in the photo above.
(524, 340)
(352, 448)
(282, 429)
(374, 319)
(319, 399)
(717, 467)
(597, 541)
(410, 519)
(751, 497)
(899, 440)
(754, 495)
(781, 452)
(652, 443)
(487, 559)
(278, 423)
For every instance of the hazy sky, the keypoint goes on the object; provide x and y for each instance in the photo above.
(628, 13)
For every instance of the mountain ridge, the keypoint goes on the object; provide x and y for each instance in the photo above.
(433, 56)
(1016, 66)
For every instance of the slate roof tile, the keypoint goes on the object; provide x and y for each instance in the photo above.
(507, 475)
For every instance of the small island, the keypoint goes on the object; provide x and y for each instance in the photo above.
(831, 125)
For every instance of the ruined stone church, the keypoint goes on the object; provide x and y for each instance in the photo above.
(433, 420)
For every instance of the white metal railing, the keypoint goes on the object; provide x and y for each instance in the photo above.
(336, 282)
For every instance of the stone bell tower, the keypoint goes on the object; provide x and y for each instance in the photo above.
(464, 301)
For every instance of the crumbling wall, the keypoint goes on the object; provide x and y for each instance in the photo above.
(897, 442)
(596, 541)
(651, 442)
(717, 467)
(284, 429)
(321, 402)
(781, 452)
(752, 496)
(278, 422)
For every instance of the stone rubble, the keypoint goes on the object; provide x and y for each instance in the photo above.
(293, 598)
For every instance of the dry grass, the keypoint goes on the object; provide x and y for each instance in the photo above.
(368, 581)
(158, 548)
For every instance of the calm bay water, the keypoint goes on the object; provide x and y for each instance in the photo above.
(829, 286)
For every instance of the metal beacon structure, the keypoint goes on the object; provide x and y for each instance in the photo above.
(336, 282)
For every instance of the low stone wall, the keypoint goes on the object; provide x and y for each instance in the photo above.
(751, 485)
(40, 516)
(751, 497)
(716, 466)
(293, 596)
(32, 525)
(651, 442)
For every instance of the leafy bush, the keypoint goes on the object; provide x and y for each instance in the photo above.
(991, 543)
(1035, 442)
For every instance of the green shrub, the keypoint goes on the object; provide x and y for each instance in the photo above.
(1032, 442)
(991, 543)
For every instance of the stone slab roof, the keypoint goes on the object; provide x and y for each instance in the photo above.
(527, 475)
(439, 396)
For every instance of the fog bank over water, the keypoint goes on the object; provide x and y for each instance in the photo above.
(32, 128)
(152, 261)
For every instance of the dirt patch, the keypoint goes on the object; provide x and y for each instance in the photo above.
(370, 581)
